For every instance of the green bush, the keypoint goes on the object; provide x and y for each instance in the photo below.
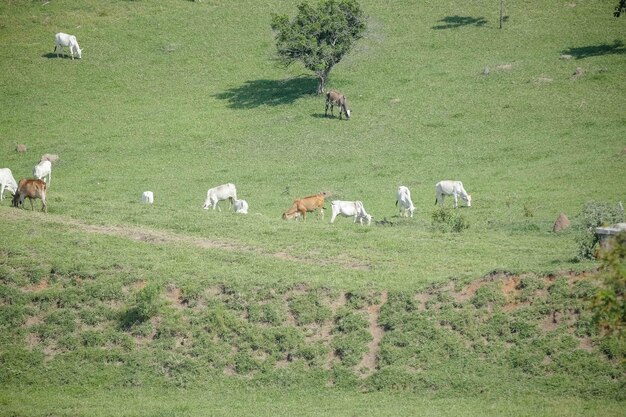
(594, 214)
(609, 301)
(146, 305)
(447, 220)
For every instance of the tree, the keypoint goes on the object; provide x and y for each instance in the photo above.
(319, 37)
(621, 8)
(609, 303)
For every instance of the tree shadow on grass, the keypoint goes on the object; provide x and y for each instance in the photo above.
(257, 93)
(451, 22)
(616, 48)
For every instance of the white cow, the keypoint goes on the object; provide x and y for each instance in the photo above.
(453, 188)
(350, 209)
(403, 200)
(147, 197)
(219, 193)
(43, 169)
(62, 40)
(7, 182)
(241, 206)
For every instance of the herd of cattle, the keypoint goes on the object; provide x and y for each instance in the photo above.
(354, 209)
(38, 187)
(31, 188)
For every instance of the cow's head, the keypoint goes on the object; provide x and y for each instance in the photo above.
(77, 50)
(469, 200)
(16, 200)
(289, 215)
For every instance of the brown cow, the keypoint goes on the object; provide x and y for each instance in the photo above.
(302, 205)
(31, 189)
(333, 98)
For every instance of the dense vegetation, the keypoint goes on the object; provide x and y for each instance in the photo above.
(110, 307)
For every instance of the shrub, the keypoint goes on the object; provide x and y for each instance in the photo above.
(594, 214)
(609, 302)
(449, 221)
(147, 305)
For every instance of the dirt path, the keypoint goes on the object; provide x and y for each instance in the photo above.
(370, 360)
(155, 236)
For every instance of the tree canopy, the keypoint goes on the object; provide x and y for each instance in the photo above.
(319, 36)
(621, 8)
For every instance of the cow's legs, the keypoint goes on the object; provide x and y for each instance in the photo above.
(456, 200)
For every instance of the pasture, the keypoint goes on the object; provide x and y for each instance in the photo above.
(107, 301)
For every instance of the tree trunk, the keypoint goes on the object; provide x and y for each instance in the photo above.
(320, 84)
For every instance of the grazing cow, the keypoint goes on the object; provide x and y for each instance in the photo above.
(241, 206)
(403, 200)
(350, 209)
(7, 182)
(43, 169)
(301, 206)
(333, 98)
(32, 189)
(147, 197)
(219, 193)
(453, 188)
(62, 40)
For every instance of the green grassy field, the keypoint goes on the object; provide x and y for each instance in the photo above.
(143, 305)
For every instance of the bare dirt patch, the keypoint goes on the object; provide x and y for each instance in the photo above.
(40, 286)
(370, 360)
(174, 297)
